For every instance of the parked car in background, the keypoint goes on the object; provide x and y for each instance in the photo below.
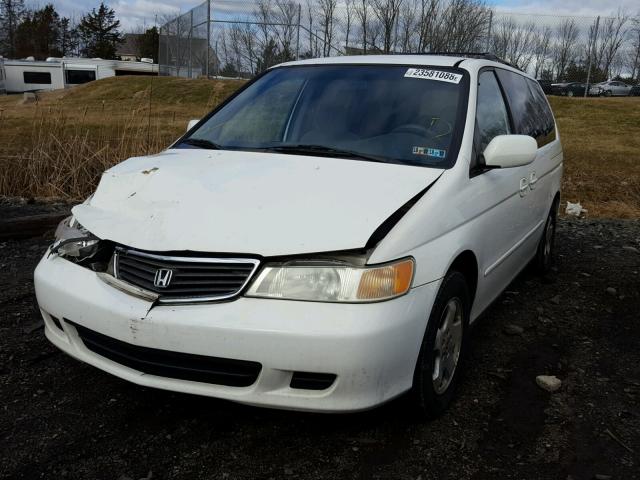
(546, 86)
(572, 89)
(635, 91)
(611, 88)
(323, 240)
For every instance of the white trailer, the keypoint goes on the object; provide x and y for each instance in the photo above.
(58, 73)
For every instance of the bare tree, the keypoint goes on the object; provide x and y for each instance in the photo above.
(327, 10)
(613, 35)
(362, 14)
(387, 12)
(635, 48)
(541, 50)
(564, 48)
(407, 26)
(515, 42)
(348, 19)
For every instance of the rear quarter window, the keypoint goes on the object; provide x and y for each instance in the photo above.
(530, 111)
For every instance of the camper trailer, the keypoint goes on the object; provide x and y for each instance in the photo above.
(29, 75)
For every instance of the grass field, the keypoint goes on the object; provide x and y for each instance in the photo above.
(59, 146)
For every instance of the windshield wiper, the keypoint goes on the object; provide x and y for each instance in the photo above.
(202, 143)
(321, 150)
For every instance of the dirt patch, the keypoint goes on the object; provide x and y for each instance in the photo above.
(64, 419)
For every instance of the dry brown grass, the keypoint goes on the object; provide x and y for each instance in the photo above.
(60, 146)
(601, 140)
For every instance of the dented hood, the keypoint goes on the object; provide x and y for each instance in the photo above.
(246, 202)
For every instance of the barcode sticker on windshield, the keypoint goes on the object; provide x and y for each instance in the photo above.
(438, 75)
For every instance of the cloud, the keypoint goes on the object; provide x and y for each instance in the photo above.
(136, 13)
(587, 8)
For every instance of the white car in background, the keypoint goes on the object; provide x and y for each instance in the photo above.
(610, 88)
(322, 241)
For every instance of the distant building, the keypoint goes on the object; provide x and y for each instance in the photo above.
(129, 49)
(58, 73)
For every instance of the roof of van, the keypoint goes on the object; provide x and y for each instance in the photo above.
(434, 60)
(470, 62)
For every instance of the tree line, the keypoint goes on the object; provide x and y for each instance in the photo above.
(554, 49)
(42, 32)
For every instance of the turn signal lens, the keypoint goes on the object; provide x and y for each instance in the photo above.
(334, 283)
(385, 282)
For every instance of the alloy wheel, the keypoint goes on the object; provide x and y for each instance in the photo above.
(447, 345)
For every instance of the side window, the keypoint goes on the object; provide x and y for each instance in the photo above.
(43, 78)
(529, 107)
(545, 124)
(491, 113)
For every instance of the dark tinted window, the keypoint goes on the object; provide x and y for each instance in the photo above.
(76, 77)
(529, 107)
(37, 77)
(546, 126)
(491, 113)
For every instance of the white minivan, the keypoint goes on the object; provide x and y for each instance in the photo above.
(321, 241)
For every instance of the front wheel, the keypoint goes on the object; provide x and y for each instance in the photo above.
(443, 348)
(569, 93)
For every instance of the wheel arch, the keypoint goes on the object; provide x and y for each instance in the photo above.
(467, 264)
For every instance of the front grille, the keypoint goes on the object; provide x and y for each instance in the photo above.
(165, 363)
(184, 279)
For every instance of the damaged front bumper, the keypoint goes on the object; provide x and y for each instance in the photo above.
(367, 350)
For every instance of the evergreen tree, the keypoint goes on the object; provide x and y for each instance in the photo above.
(68, 42)
(148, 43)
(42, 33)
(11, 14)
(99, 34)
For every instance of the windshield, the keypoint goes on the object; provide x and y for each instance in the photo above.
(384, 113)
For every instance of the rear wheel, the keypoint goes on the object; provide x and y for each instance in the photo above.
(569, 93)
(443, 348)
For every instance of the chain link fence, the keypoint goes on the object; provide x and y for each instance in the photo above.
(241, 38)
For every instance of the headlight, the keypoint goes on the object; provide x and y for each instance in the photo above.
(73, 240)
(334, 283)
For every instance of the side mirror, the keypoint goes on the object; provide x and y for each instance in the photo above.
(192, 123)
(507, 151)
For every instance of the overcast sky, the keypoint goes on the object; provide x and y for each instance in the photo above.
(143, 12)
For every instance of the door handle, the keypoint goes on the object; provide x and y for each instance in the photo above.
(533, 179)
(524, 186)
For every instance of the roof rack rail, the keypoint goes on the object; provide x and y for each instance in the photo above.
(482, 55)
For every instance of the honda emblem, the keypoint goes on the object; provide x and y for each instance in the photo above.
(163, 277)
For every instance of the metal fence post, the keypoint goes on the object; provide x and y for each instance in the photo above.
(591, 52)
(206, 61)
(190, 64)
(488, 49)
(298, 32)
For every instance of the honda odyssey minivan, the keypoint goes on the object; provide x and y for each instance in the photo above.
(323, 240)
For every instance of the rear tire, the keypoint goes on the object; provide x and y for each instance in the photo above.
(443, 349)
(546, 248)
(569, 93)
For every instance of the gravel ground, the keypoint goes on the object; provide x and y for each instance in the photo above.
(64, 419)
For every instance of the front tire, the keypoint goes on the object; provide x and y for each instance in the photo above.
(443, 349)
(569, 93)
